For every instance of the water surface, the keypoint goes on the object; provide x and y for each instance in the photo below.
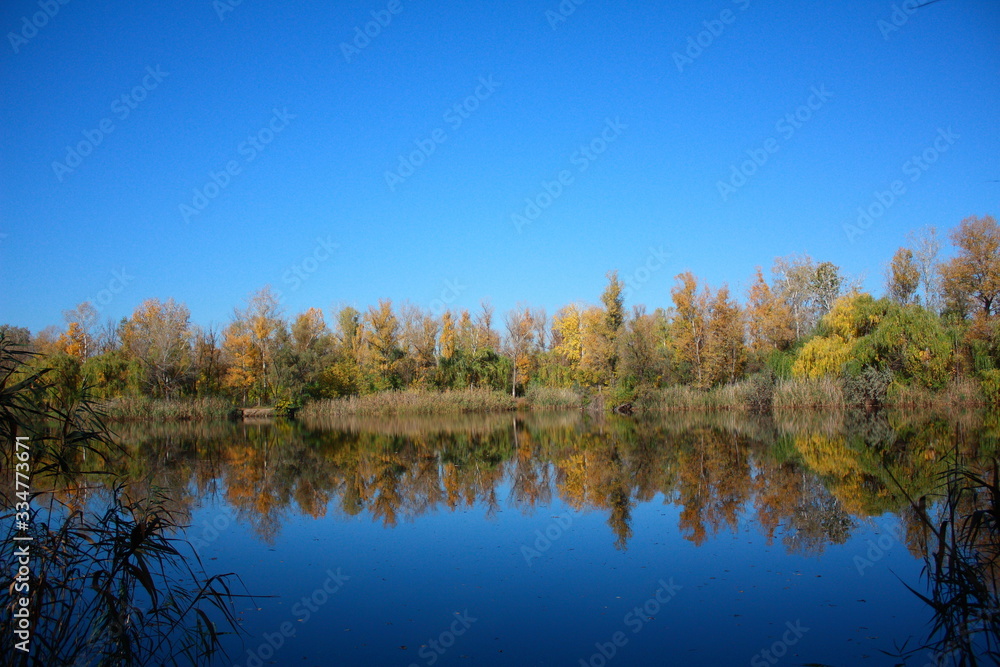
(560, 539)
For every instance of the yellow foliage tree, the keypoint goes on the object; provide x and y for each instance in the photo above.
(689, 327)
(769, 319)
(447, 339)
(567, 335)
(823, 355)
(74, 341)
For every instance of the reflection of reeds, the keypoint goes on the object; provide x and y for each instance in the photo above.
(421, 425)
(107, 588)
(961, 565)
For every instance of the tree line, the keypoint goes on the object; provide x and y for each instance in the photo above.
(937, 321)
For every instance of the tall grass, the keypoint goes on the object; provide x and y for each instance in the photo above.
(110, 585)
(799, 393)
(749, 395)
(143, 408)
(962, 564)
(554, 398)
(412, 402)
(961, 392)
(826, 393)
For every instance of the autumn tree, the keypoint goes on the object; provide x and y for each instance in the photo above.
(640, 357)
(826, 285)
(342, 375)
(250, 343)
(348, 330)
(601, 327)
(769, 319)
(689, 326)
(973, 275)
(903, 277)
(208, 366)
(19, 336)
(520, 336)
(596, 353)
(614, 318)
(448, 335)
(468, 341)
(158, 334)
(381, 344)
(302, 354)
(420, 344)
(567, 335)
(74, 341)
(81, 324)
(725, 347)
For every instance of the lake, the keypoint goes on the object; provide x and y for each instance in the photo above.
(565, 539)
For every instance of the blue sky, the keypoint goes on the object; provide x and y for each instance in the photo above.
(310, 130)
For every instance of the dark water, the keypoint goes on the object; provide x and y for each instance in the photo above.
(557, 539)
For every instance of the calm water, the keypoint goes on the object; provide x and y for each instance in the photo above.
(557, 539)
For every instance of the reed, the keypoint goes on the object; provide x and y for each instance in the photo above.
(412, 402)
(142, 408)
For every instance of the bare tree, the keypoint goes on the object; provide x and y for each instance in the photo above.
(926, 246)
(520, 335)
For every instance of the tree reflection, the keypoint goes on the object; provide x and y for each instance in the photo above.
(803, 482)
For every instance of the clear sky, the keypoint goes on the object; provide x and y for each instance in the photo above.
(667, 98)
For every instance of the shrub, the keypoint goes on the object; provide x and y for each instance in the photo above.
(760, 391)
(869, 387)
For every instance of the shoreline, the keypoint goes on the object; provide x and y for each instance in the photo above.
(744, 397)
